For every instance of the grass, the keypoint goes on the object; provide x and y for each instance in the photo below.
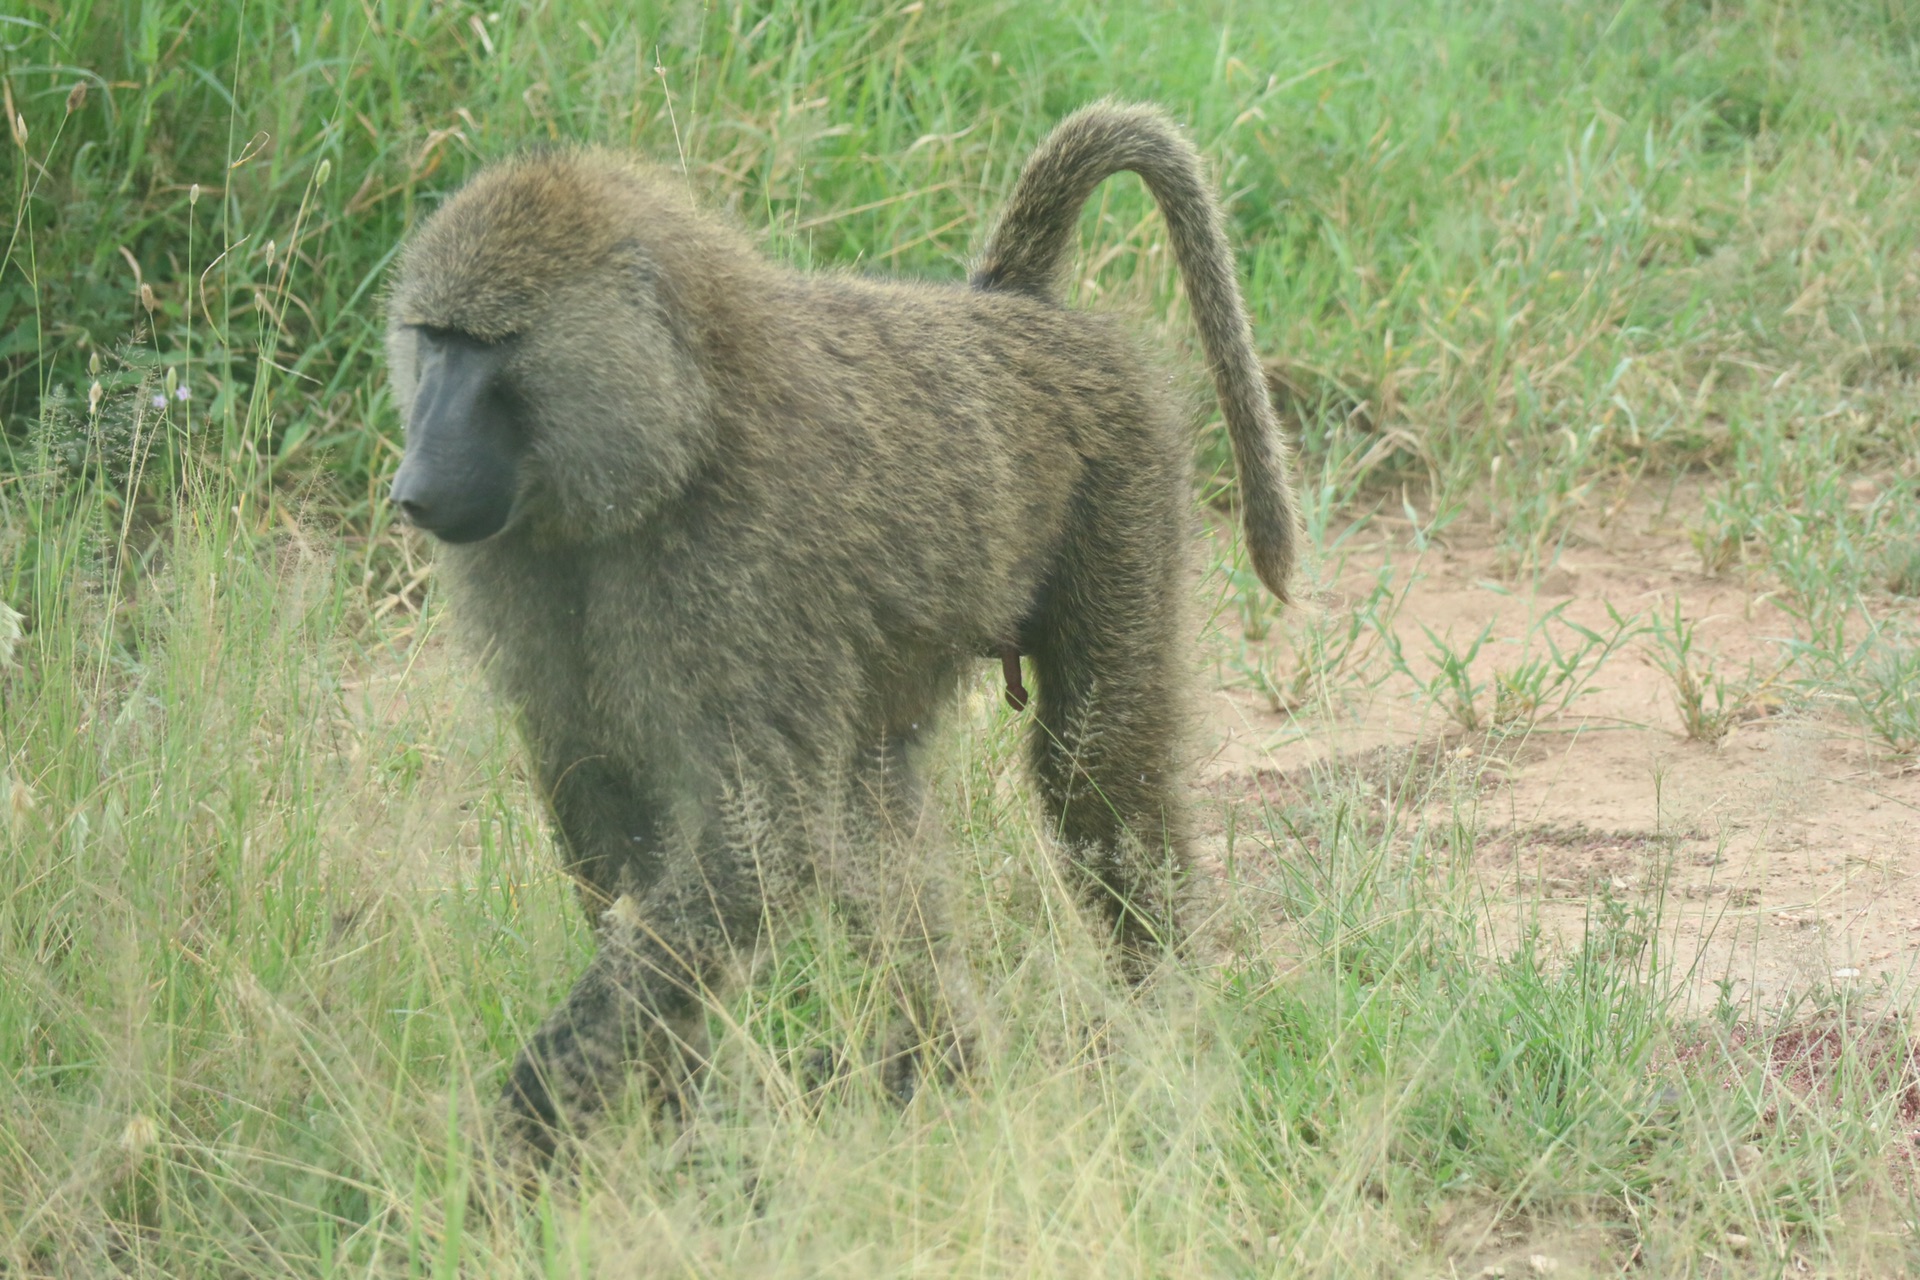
(278, 901)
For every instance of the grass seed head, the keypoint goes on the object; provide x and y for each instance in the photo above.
(20, 803)
(10, 632)
(140, 1135)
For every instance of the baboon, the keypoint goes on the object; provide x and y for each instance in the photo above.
(729, 534)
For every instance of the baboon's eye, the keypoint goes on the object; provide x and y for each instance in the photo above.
(445, 335)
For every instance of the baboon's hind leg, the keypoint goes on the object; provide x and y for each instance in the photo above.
(1108, 644)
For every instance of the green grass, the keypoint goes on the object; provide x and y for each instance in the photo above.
(277, 901)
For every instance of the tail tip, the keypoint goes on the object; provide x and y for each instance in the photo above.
(1272, 543)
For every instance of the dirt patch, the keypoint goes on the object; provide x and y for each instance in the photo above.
(1820, 1060)
(1782, 856)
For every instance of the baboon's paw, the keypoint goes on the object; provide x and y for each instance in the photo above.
(822, 1072)
(912, 1058)
(527, 1132)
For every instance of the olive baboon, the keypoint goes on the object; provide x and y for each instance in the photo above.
(729, 535)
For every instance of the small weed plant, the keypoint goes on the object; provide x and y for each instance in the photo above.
(1709, 703)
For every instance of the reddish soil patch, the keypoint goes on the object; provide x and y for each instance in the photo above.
(1784, 857)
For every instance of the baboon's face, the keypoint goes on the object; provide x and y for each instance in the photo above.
(467, 436)
(542, 367)
(579, 421)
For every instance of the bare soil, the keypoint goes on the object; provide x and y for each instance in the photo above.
(1782, 858)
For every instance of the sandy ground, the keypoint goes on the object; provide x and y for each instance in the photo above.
(1781, 859)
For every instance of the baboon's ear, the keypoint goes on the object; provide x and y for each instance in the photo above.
(637, 262)
(638, 268)
(465, 438)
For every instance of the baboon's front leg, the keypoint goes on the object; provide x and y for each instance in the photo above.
(610, 834)
(641, 1003)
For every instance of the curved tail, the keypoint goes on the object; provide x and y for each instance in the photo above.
(1028, 253)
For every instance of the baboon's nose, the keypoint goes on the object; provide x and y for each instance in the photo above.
(416, 503)
(406, 497)
(415, 512)
(456, 508)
